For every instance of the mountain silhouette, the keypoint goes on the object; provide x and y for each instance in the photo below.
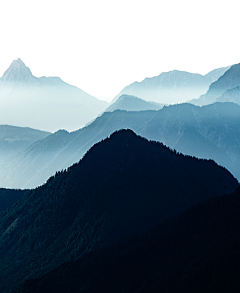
(229, 80)
(195, 252)
(131, 103)
(14, 139)
(45, 103)
(215, 74)
(123, 184)
(209, 132)
(172, 87)
(231, 95)
(18, 72)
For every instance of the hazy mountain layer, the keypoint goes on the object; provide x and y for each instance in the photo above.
(229, 80)
(131, 103)
(44, 103)
(211, 131)
(172, 87)
(124, 184)
(14, 139)
(215, 74)
(232, 95)
(195, 252)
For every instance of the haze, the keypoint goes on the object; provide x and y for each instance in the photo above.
(102, 46)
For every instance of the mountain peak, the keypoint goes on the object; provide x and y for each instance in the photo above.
(17, 72)
(19, 61)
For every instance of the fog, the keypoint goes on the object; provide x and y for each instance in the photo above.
(44, 103)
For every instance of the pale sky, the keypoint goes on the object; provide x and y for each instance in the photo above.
(101, 46)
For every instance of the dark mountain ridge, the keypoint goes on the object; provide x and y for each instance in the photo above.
(123, 184)
(195, 252)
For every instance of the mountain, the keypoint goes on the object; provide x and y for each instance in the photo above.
(231, 95)
(195, 252)
(123, 184)
(172, 87)
(14, 139)
(131, 103)
(215, 74)
(9, 197)
(210, 132)
(229, 80)
(46, 103)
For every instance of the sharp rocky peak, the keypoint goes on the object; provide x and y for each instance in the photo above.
(17, 72)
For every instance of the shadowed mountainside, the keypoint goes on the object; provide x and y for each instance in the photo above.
(9, 197)
(124, 184)
(195, 252)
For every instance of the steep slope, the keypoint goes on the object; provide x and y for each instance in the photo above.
(131, 103)
(9, 197)
(124, 184)
(211, 132)
(232, 95)
(196, 252)
(216, 73)
(172, 87)
(14, 139)
(44, 103)
(229, 80)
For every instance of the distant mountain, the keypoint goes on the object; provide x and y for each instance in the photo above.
(231, 95)
(123, 184)
(131, 103)
(172, 87)
(215, 74)
(195, 252)
(210, 132)
(229, 80)
(44, 103)
(14, 139)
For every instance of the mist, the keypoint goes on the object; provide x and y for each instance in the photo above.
(44, 103)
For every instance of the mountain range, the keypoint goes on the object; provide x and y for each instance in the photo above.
(131, 103)
(225, 89)
(45, 103)
(172, 87)
(123, 185)
(210, 132)
(115, 211)
(14, 139)
(230, 95)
